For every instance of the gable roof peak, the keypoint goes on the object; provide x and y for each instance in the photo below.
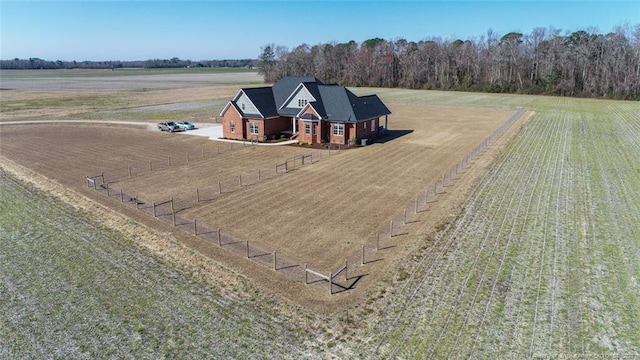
(283, 88)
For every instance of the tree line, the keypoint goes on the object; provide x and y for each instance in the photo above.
(545, 61)
(37, 63)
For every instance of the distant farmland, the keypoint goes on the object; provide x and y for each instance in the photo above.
(540, 260)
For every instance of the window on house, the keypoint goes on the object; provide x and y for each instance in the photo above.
(253, 128)
(307, 128)
(373, 125)
(243, 106)
(338, 129)
(365, 126)
(302, 102)
(232, 127)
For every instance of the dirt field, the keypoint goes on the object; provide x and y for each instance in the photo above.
(107, 80)
(319, 214)
(109, 95)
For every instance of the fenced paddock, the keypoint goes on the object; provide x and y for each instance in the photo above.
(320, 214)
(326, 211)
(168, 211)
(212, 187)
(178, 210)
(228, 168)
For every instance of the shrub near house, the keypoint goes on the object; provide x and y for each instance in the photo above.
(305, 109)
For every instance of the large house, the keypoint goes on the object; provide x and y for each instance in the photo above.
(305, 109)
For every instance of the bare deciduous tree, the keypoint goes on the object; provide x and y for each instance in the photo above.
(580, 63)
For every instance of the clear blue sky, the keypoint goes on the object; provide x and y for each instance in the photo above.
(201, 30)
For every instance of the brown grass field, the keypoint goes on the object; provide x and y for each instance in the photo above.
(320, 214)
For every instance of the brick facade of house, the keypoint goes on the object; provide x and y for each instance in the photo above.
(233, 124)
(305, 109)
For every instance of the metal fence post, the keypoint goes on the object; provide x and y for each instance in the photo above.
(345, 271)
(330, 283)
(274, 261)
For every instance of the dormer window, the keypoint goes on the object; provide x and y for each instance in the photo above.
(302, 102)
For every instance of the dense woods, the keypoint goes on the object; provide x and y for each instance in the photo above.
(546, 61)
(36, 63)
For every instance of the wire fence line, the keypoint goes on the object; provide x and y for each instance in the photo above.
(338, 280)
(221, 185)
(218, 187)
(384, 238)
(165, 162)
(168, 210)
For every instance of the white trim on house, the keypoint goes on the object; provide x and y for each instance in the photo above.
(254, 128)
(337, 129)
(231, 102)
(298, 117)
(243, 95)
(226, 107)
(302, 111)
(294, 96)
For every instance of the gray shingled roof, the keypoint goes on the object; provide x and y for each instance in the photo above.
(262, 98)
(367, 107)
(285, 86)
(313, 89)
(340, 104)
(333, 102)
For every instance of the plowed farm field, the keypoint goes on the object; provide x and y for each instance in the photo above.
(543, 260)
